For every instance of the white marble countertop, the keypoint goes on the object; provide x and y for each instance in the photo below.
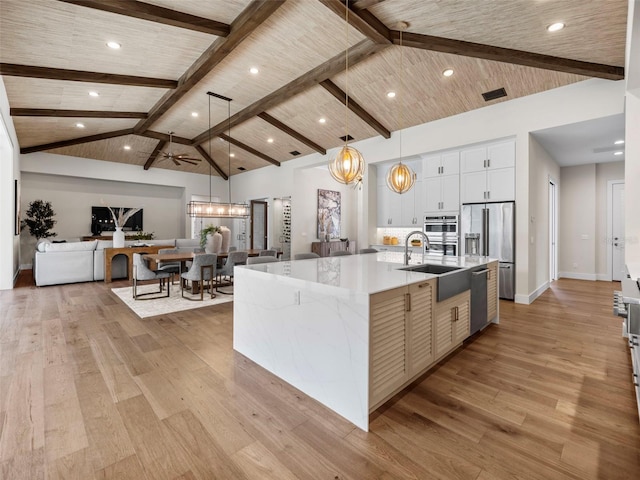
(368, 273)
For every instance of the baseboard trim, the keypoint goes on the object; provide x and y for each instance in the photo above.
(578, 276)
(603, 277)
(523, 299)
(26, 266)
(539, 291)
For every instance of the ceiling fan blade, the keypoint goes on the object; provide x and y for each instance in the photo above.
(190, 158)
(188, 161)
(175, 161)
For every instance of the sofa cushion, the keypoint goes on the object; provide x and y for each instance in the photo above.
(102, 244)
(41, 245)
(71, 247)
(188, 243)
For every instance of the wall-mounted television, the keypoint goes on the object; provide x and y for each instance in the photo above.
(103, 216)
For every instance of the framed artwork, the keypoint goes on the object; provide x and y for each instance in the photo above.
(328, 214)
(16, 204)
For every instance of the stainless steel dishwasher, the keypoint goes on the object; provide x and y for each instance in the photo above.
(478, 298)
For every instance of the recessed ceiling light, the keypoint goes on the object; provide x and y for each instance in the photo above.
(194, 114)
(80, 125)
(114, 45)
(391, 94)
(93, 94)
(232, 155)
(254, 70)
(127, 147)
(323, 120)
(448, 72)
(270, 140)
(618, 153)
(554, 27)
(618, 142)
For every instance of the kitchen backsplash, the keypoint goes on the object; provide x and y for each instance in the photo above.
(401, 233)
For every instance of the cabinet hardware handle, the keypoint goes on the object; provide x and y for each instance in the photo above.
(489, 195)
(426, 284)
(489, 163)
(407, 302)
(480, 272)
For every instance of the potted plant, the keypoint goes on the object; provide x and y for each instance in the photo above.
(204, 234)
(40, 219)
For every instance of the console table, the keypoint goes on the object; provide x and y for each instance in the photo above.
(110, 253)
(324, 249)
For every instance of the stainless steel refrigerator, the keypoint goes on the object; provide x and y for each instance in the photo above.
(495, 225)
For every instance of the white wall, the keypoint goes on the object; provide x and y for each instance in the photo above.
(9, 172)
(632, 136)
(542, 168)
(605, 172)
(72, 199)
(577, 222)
(305, 199)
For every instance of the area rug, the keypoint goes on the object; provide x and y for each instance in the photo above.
(151, 307)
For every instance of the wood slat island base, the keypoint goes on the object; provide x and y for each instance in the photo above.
(90, 391)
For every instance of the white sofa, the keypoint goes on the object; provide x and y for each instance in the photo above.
(72, 262)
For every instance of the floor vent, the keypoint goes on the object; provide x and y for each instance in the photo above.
(493, 94)
(346, 138)
(294, 153)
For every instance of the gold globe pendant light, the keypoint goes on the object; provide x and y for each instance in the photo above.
(400, 177)
(348, 164)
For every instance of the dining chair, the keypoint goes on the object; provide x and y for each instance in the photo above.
(171, 267)
(368, 250)
(268, 253)
(303, 256)
(234, 258)
(263, 259)
(142, 273)
(339, 253)
(202, 269)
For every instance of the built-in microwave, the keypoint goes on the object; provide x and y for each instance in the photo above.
(441, 249)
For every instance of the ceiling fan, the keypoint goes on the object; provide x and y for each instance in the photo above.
(177, 158)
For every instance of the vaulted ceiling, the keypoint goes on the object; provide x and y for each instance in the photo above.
(54, 52)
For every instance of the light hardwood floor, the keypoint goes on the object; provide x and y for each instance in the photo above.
(90, 391)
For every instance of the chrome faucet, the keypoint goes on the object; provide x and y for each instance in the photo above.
(407, 254)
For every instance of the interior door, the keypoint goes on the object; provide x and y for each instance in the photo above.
(259, 225)
(617, 232)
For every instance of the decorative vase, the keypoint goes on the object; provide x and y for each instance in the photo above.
(118, 238)
(214, 243)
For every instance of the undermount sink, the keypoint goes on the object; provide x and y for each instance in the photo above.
(430, 268)
(451, 280)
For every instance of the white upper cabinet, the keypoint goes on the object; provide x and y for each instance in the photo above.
(488, 172)
(395, 210)
(446, 163)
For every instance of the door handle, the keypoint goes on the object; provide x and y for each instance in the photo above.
(615, 244)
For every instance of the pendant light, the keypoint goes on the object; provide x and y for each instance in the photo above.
(219, 209)
(400, 177)
(348, 164)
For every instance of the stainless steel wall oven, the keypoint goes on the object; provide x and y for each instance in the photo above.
(443, 234)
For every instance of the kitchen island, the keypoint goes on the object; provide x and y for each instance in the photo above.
(352, 331)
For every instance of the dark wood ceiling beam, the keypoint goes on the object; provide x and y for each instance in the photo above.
(376, 32)
(250, 19)
(153, 13)
(508, 55)
(331, 67)
(212, 162)
(46, 112)
(249, 149)
(77, 141)
(292, 133)
(31, 71)
(364, 4)
(165, 137)
(154, 155)
(337, 92)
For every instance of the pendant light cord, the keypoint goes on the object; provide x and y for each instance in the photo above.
(346, 77)
(209, 150)
(229, 143)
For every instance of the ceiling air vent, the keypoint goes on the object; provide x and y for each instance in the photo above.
(294, 153)
(493, 94)
(242, 169)
(346, 138)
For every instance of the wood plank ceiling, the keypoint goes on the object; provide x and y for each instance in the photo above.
(54, 52)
